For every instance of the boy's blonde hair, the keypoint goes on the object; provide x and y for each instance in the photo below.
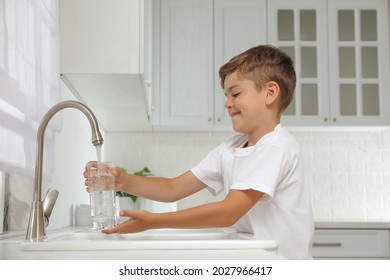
(262, 64)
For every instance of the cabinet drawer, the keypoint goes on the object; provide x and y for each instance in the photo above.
(351, 243)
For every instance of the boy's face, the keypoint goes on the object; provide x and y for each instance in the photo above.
(245, 104)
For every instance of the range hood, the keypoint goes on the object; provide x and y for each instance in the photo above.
(117, 100)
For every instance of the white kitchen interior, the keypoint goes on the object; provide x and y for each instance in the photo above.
(153, 113)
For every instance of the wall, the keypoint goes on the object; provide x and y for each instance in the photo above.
(348, 172)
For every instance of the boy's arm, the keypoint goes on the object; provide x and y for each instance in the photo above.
(218, 214)
(155, 188)
(160, 188)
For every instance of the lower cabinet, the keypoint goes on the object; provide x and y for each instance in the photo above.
(351, 244)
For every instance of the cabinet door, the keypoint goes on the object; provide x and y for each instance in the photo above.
(186, 86)
(101, 36)
(358, 33)
(239, 25)
(299, 29)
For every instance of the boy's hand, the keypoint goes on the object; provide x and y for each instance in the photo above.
(86, 172)
(116, 171)
(139, 220)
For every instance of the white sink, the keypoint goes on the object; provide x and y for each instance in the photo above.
(163, 239)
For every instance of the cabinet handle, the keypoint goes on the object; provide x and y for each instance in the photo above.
(325, 119)
(219, 119)
(334, 244)
(210, 119)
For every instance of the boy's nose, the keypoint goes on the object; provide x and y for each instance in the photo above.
(228, 103)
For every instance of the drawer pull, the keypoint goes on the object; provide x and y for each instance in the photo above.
(335, 244)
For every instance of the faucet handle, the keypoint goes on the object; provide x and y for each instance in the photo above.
(48, 204)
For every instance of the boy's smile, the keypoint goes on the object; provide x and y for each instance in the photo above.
(233, 114)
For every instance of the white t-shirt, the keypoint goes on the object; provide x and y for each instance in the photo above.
(272, 166)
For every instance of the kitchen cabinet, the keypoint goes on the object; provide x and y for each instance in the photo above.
(339, 48)
(101, 36)
(102, 58)
(186, 62)
(197, 37)
(238, 26)
(351, 244)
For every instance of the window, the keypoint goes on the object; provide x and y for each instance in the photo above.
(29, 80)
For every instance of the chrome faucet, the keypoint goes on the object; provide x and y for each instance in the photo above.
(41, 210)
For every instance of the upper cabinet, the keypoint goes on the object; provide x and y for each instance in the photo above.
(299, 28)
(340, 50)
(238, 26)
(102, 46)
(339, 47)
(102, 36)
(186, 86)
(197, 37)
(359, 75)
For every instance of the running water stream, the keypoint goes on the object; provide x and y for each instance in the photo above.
(99, 153)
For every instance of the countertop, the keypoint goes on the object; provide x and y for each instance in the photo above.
(10, 249)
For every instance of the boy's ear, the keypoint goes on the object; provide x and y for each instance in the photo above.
(273, 91)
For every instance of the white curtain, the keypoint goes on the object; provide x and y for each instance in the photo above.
(29, 81)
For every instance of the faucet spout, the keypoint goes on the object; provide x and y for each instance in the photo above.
(36, 226)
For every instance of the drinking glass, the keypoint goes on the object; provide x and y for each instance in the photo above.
(101, 184)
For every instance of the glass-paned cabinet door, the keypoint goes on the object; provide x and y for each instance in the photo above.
(359, 62)
(299, 29)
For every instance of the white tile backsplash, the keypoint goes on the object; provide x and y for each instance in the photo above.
(348, 172)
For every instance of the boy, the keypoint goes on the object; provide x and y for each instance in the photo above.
(259, 169)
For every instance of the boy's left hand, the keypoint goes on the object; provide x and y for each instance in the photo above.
(137, 222)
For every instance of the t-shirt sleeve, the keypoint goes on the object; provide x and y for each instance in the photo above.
(209, 170)
(261, 170)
